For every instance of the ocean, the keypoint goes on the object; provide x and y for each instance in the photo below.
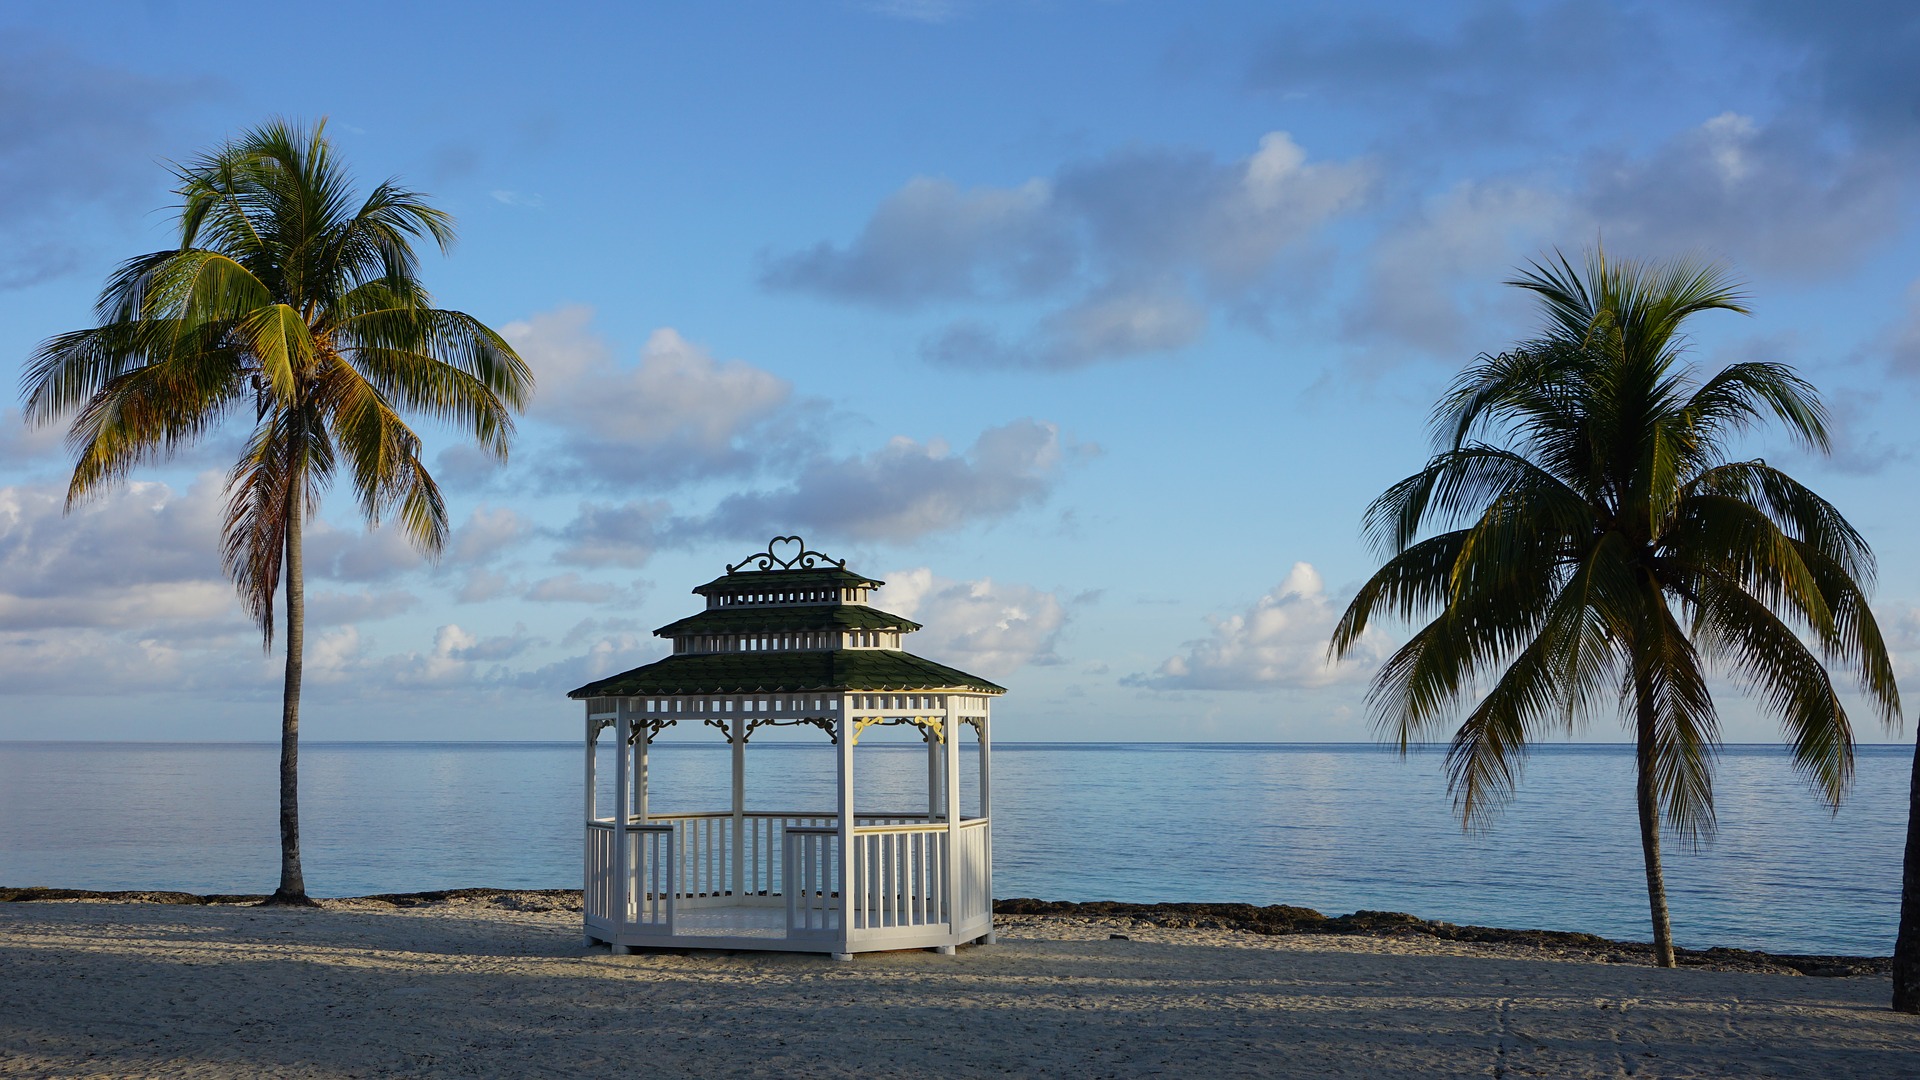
(1333, 827)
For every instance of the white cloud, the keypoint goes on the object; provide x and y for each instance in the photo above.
(593, 629)
(680, 414)
(1281, 641)
(902, 491)
(138, 556)
(1765, 197)
(1900, 343)
(931, 241)
(610, 653)
(458, 658)
(125, 594)
(487, 534)
(358, 553)
(987, 627)
(1145, 239)
(1777, 196)
(1901, 627)
(1158, 211)
(626, 534)
(22, 446)
(1461, 75)
(337, 608)
(571, 588)
(1430, 277)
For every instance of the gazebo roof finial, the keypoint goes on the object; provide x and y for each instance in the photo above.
(775, 557)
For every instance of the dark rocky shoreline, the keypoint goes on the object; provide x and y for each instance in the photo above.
(1269, 919)
(1286, 919)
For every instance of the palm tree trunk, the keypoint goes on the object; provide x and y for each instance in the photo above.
(293, 884)
(1649, 805)
(1906, 949)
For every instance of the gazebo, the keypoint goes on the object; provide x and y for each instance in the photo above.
(788, 639)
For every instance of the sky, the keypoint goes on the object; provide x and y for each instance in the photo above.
(1092, 328)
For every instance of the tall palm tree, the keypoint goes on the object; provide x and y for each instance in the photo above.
(1597, 548)
(288, 301)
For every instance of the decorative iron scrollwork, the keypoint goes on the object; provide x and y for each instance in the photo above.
(801, 557)
(650, 728)
(930, 727)
(823, 723)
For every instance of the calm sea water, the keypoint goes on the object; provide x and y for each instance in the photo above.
(1337, 828)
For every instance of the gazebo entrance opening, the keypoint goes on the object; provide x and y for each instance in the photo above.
(788, 640)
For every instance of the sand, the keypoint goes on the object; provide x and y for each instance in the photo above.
(503, 986)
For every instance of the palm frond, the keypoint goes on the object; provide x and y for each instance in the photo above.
(1730, 624)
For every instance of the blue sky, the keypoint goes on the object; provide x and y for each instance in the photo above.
(1092, 327)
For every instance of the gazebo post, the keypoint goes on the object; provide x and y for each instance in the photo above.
(950, 740)
(737, 734)
(640, 778)
(934, 772)
(622, 842)
(986, 769)
(847, 884)
(986, 809)
(593, 783)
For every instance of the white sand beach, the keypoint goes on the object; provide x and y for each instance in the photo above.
(504, 986)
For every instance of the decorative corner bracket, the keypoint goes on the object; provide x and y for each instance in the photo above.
(650, 728)
(931, 729)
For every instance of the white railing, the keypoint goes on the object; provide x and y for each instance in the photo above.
(973, 899)
(810, 885)
(650, 899)
(705, 843)
(601, 894)
(897, 876)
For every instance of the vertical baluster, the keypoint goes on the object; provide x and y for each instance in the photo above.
(920, 879)
(805, 849)
(654, 875)
(794, 851)
(853, 886)
(894, 881)
(876, 871)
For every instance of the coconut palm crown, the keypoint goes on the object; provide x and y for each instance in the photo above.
(1581, 541)
(293, 304)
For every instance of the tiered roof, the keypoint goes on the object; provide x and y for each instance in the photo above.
(784, 621)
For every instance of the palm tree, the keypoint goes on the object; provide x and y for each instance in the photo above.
(286, 300)
(1600, 549)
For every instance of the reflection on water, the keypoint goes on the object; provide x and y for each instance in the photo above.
(1337, 828)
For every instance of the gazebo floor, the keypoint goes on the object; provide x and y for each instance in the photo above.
(763, 926)
(743, 921)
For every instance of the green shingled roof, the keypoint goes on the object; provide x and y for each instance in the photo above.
(786, 672)
(775, 620)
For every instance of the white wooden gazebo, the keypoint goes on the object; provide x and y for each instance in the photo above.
(788, 638)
